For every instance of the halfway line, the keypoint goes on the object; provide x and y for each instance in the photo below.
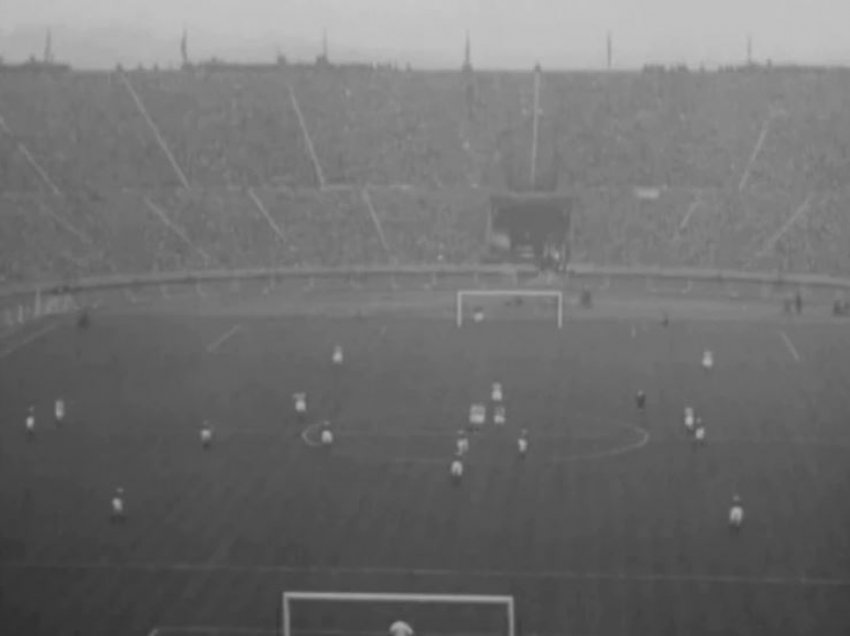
(564, 575)
(213, 346)
(790, 346)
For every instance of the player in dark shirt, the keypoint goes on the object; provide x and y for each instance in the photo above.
(640, 400)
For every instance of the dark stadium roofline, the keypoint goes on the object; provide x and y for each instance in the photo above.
(224, 67)
(401, 68)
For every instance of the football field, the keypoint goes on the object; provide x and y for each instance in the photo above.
(615, 522)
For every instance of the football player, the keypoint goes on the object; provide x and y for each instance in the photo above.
(522, 443)
(456, 469)
(206, 435)
(462, 443)
(29, 423)
(119, 512)
(736, 513)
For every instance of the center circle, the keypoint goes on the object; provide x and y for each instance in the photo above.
(598, 438)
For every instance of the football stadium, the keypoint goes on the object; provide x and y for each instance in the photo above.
(314, 349)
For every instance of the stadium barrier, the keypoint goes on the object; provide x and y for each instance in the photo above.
(24, 307)
(31, 300)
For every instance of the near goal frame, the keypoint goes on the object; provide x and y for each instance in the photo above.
(376, 597)
(510, 293)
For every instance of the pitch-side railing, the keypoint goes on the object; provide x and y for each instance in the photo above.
(20, 302)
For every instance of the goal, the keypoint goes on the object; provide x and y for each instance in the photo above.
(356, 613)
(533, 301)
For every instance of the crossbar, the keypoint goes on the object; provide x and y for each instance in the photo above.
(377, 597)
(532, 293)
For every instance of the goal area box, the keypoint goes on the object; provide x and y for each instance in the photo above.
(509, 304)
(324, 613)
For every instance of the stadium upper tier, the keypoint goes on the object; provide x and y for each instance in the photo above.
(745, 170)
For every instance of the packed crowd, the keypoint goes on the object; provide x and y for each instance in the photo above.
(337, 167)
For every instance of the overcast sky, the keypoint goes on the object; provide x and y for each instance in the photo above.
(505, 33)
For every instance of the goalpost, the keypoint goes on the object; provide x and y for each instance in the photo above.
(495, 613)
(464, 294)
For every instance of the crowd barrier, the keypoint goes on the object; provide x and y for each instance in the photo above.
(22, 303)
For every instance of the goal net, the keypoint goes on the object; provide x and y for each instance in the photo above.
(476, 305)
(343, 613)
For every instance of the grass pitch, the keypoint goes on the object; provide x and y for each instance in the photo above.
(613, 524)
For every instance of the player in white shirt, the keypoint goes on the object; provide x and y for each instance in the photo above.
(496, 393)
(337, 355)
(736, 513)
(119, 511)
(300, 402)
(707, 360)
(690, 418)
(59, 412)
(29, 423)
(522, 443)
(499, 415)
(478, 315)
(462, 443)
(327, 435)
(206, 435)
(456, 469)
(477, 415)
(400, 628)
(699, 432)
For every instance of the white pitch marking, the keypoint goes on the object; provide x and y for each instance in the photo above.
(224, 338)
(377, 434)
(566, 575)
(210, 630)
(213, 630)
(790, 345)
(220, 552)
(260, 431)
(29, 339)
(305, 435)
(612, 452)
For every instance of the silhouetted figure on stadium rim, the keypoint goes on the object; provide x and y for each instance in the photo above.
(798, 302)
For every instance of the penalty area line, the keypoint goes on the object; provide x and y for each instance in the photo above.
(210, 630)
(790, 346)
(227, 335)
